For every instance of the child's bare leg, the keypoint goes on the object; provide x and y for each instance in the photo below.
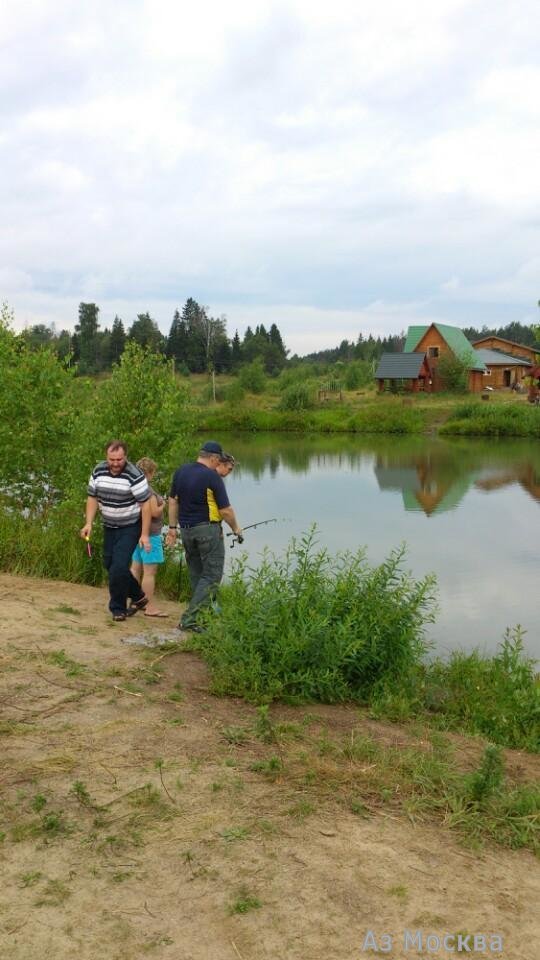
(137, 571)
(149, 586)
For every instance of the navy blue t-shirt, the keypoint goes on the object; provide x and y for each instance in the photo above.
(200, 492)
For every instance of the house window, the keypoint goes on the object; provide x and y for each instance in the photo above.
(433, 351)
(487, 372)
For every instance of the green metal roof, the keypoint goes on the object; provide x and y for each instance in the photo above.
(449, 501)
(454, 337)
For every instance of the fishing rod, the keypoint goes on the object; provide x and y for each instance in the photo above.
(250, 526)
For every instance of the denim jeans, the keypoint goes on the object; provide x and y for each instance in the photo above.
(118, 546)
(205, 558)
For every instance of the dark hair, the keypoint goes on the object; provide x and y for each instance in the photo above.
(116, 445)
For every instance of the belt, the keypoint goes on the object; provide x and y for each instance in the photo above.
(189, 526)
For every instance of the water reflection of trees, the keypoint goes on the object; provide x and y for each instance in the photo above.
(432, 475)
(259, 455)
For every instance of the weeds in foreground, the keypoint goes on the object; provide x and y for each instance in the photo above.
(244, 902)
(59, 659)
(496, 696)
(54, 894)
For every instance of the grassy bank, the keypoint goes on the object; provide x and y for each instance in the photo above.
(310, 627)
(473, 418)
(505, 415)
(386, 416)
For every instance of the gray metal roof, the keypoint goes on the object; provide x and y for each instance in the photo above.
(393, 366)
(492, 357)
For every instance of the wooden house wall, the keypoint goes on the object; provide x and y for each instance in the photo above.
(477, 381)
(432, 338)
(497, 379)
(513, 349)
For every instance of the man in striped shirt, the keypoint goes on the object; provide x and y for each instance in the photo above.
(119, 490)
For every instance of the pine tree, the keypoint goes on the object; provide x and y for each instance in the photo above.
(146, 333)
(236, 351)
(117, 341)
(177, 341)
(86, 339)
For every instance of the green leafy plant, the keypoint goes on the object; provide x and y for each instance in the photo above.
(244, 902)
(308, 626)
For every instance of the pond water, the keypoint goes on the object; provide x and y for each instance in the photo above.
(467, 511)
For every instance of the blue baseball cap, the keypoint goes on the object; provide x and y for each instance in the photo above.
(212, 446)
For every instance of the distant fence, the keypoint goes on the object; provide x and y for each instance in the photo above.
(330, 389)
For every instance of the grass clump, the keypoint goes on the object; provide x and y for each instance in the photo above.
(497, 696)
(58, 658)
(312, 627)
(244, 902)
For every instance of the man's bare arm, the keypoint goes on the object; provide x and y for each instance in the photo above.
(91, 510)
(146, 518)
(173, 521)
(228, 515)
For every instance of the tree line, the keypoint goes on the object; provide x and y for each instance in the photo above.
(197, 342)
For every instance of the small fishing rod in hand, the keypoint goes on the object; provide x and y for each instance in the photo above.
(250, 526)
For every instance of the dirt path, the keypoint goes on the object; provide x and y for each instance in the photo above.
(144, 817)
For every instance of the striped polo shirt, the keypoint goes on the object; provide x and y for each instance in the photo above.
(119, 497)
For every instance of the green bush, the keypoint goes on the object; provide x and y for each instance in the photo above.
(235, 392)
(454, 373)
(62, 424)
(311, 627)
(297, 397)
(358, 374)
(252, 377)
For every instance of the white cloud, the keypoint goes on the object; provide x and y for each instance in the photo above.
(293, 160)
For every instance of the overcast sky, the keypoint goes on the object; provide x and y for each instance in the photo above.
(333, 167)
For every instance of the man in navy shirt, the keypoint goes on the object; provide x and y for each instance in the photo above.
(198, 502)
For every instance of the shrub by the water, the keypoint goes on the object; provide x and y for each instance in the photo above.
(309, 626)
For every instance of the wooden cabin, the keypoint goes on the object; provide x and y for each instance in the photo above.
(439, 339)
(503, 369)
(507, 347)
(410, 371)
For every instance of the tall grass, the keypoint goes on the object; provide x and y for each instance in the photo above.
(385, 416)
(308, 626)
(497, 696)
(477, 418)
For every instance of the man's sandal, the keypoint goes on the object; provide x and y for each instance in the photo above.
(138, 605)
(117, 617)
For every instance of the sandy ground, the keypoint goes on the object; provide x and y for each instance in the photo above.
(135, 825)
